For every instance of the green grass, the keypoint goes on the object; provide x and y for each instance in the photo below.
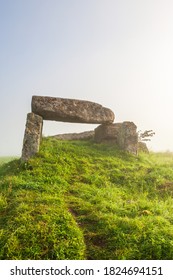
(5, 159)
(80, 200)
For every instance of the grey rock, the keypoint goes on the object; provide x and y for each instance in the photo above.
(86, 135)
(142, 147)
(128, 139)
(71, 110)
(32, 136)
(107, 133)
(123, 134)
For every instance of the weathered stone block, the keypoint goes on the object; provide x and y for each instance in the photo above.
(71, 110)
(142, 147)
(107, 133)
(32, 136)
(128, 138)
(123, 134)
(86, 135)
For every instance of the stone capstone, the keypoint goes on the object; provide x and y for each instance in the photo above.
(32, 136)
(123, 134)
(71, 110)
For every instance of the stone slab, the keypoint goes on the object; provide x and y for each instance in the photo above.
(71, 110)
(86, 135)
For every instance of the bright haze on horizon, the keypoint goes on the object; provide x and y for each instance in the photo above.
(118, 53)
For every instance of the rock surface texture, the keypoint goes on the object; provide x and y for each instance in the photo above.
(142, 147)
(71, 110)
(128, 139)
(32, 136)
(86, 135)
(107, 133)
(123, 134)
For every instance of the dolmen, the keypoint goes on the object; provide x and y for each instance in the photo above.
(75, 111)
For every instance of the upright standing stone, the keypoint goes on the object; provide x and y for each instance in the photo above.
(71, 110)
(128, 137)
(32, 137)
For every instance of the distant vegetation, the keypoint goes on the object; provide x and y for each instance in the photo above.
(6, 159)
(80, 200)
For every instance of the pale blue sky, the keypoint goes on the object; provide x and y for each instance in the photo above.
(118, 53)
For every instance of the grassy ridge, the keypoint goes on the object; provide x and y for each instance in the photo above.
(79, 200)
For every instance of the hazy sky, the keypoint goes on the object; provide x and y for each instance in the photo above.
(118, 53)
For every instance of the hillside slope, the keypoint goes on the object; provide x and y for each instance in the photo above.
(80, 200)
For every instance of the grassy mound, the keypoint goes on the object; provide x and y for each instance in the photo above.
(80, 200)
